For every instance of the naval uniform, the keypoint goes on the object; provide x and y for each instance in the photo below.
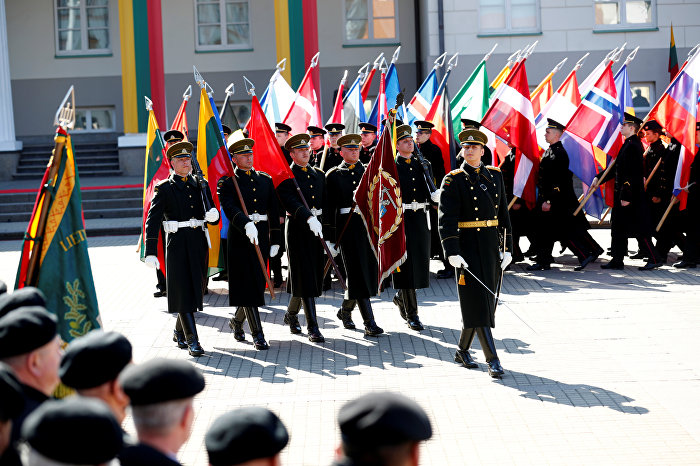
(661, 186)
(473, 216)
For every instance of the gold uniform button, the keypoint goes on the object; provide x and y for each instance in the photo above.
(254, 189)
(475, 198)
(189, 195)
(476, 208)
(471, 187)
(313, 197)
(255, 200)
(478, 229)
(311, 186)
(477, 218)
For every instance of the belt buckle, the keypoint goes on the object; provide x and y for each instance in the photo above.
(414, 206)
(192, 223)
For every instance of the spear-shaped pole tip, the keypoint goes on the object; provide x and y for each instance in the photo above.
(345, 78)
(314, 60)
(249, 87)
(488, 55)
(198, 78)
(188, 93)
(452, 63)
(282, 64)
(230, 90)
(439, 61)
(559, 65)
(693, 51)
(631, 56)
(579, 63)
(378, 60)
(395, 56)
(149, 104)
(65, 114)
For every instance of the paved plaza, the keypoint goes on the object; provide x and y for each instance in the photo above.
(601, 367)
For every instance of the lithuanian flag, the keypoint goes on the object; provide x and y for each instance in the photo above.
(63, 269)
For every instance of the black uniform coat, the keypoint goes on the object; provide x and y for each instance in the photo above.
(287, 157)
(186, 250)
(415, 272)
(333, 158)
(434, 155)
(519, 218)
(366, 153)
(145, 455)
(304, 250)
(471, 194)
(631, 221)
(361, 268)
(32, 399)
(246, 280)
(555, 184)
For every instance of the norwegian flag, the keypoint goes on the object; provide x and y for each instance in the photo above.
(306, 108)
(598, 119)
(419, 106)
(511, 118)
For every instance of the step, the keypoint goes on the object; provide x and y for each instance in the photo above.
(83, 173)
(95, 165)
(44, 156)
(94, 227)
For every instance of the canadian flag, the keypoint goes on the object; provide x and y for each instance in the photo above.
(306, 109)
(511, 118)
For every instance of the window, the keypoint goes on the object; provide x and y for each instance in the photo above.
(509, 17)
(82, 27)
(94, 119)
(624, 14)
(370, 21)
(222, 25)
(642, 97)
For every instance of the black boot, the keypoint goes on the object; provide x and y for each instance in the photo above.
(410, 303)
(398, 301)
(371, 327)
(462, 355)
(489, 347)
(179, 335)
(311, 321)
(345, 313)
(190, 329)
(256, 328)
(223, 275)
(236, 324)
(447, 271)
(290, 317)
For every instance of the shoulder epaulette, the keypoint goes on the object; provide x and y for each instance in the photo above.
(455, 171)
(492, 167)
(331, 170)
(319, 170)
(222, 179)
(267, 175)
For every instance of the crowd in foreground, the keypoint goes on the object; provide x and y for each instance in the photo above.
(85, 427)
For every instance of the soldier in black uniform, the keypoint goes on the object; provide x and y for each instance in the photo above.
(247, 281)
(433, 154)
(488, 156)
(282, 133)
(473, 217)
(519, 213)
(333, 158)
(630, 216)
(368, 133)
(556, 203)
(414, 273)
(360, 262)
(690, 217)
(178, 206)
(302, 231)
(317, 139)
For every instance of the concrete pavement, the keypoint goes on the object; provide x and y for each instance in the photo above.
(600, 367)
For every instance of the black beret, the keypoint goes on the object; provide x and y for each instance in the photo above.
(94, 359)
(653, 125)
(10, 394)
(243, 435)
(54, 427)
(282, 128)
(27, 296)
(26, 329)
(382, 419)
(159, 380)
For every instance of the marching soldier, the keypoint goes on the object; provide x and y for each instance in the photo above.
(360, 263)
(556, 203)
(518, 213)
(629, 216)
(302, 231)
(247, 281)
(473, 216)
(317, 139)
(424, 129)
(282, 134)
(690, 218)
(178, 206)
(415, 271)
(368, 134)
(333, 158)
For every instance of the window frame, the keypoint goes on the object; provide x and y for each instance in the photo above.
(83, 51)
(651, 85)
(508, 29)
(223, 47)
(623, 25)
(371, 40)
(88, 120)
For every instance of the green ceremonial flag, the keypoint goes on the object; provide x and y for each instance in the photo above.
(64, 272)
(472, 100)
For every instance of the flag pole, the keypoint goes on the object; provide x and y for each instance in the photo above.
(64, 119)
(230, 90)
(594, 186)
(263, 266)
(674, 201)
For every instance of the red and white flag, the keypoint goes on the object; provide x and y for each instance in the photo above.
(381, 103)
(337, 115)
(305, 110)
(511, 118)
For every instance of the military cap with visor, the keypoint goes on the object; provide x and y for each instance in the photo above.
(335, 128)
(467, 123)
(282, 128)
(555, 125)
(226, 129)
(243, 435)
(26, 329)
(470, 137)
(629, 118)
(403, 131)
(351, 141)
(653, 125)
(160, 380)
(242, 146)
(94, 359)
(173, 136)
(422, 125)
(367, 128)
(182, 149)
(298, 141)
(315, 131)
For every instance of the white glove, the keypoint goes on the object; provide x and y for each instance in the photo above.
(152, 262)
(170, 226)
(457, 262)
(251, 232)
(315, 226)
(331, 248)
(506, 259)
(274, 249)
(435, 196)
(211, 216)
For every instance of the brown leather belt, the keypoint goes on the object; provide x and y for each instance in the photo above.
(478, 224)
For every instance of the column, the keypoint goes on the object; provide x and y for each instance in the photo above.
(7, 119)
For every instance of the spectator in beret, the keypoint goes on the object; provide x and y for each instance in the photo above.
(30, 346)
(161, 393)
(381, 429)
(71, 432)
(246, 436)
(11, 406)
(91, 365)
(28, 296)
